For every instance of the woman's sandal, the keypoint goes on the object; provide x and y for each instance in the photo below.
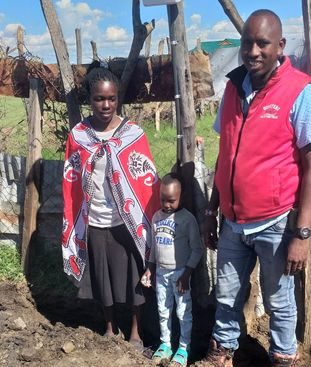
(118, 335)
(137, 344)
(180, 358)
(162, 354)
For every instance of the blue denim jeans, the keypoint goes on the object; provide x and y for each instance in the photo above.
(236, 258)
(166, 293)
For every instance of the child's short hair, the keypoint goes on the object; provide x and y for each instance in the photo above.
(172, 177)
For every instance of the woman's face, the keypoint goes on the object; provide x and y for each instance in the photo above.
(104, 101)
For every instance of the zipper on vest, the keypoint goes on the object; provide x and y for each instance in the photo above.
(235, 155)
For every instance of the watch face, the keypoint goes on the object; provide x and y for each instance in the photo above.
(304, 232)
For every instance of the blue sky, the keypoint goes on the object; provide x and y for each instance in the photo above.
(109, 23)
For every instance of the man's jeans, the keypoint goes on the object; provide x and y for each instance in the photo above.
(236, 259)
(166, 292)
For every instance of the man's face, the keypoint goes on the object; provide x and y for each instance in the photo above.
(261, 46)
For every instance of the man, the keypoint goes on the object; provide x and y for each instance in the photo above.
(263, 179)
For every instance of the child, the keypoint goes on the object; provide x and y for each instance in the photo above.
(176, 250)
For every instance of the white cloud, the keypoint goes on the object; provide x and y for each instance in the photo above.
(43, 39)
(2, 17)
(116, 34)
(68, 9)
(77, 12)
(223, 27)
(11, 29)
(196, 18)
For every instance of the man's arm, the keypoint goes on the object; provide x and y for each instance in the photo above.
(298, 249)
(211, 222)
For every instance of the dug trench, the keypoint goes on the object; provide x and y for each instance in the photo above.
(42, 329)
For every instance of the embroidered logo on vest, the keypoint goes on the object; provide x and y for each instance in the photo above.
(270, 112)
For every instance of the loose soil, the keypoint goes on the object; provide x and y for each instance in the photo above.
(42, 330)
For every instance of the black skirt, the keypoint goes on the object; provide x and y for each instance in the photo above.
(114, 268)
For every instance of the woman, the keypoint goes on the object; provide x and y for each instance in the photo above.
(110, 190)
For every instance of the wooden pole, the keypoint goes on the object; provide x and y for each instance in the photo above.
(148, 45)
(31, 203)
(78, 45)
(158, 107)
(20, 40)
(62, 56)
(141, 32)
(94, 50)
(184, 103)
(232, 13)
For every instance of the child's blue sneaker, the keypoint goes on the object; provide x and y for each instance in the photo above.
(162, 354)
(180, 358)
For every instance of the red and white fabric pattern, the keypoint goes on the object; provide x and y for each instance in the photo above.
(134, 184)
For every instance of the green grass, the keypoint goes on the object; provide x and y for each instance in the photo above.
(10, 264)
(163, 143)
(13, 130)
(12, 111)
(204, 128)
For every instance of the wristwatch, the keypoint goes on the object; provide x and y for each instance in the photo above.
(303, 233)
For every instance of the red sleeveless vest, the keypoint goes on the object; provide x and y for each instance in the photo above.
(258, 171)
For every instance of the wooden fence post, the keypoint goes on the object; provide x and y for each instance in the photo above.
(184, 79)
(62, 56)
(20, 40)
(31, 203)
(159, 105)
(78, 45)
(94, 50)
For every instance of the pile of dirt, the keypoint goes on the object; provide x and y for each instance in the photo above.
(38, 330)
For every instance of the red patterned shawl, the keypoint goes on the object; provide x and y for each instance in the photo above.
(134, 185)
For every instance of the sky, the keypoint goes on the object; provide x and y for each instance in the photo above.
(109, 24)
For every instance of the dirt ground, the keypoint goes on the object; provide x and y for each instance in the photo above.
(41, 330)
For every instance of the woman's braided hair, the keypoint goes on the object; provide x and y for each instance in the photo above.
(96, 73)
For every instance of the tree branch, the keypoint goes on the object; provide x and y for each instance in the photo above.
(232, 13)
(141, 32)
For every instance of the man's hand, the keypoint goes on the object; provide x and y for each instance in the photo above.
(183, 282)
(210, 232)
(297, 256)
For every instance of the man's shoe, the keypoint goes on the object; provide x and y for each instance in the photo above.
(218, 356)
(281, 360)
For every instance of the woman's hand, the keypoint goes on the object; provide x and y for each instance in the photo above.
(146, 278)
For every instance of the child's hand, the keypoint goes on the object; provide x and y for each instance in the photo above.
(183, 283)
(146, 279)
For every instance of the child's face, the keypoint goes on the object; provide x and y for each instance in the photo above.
(170, 197)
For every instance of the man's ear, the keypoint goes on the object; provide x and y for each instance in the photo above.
(282, 44)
